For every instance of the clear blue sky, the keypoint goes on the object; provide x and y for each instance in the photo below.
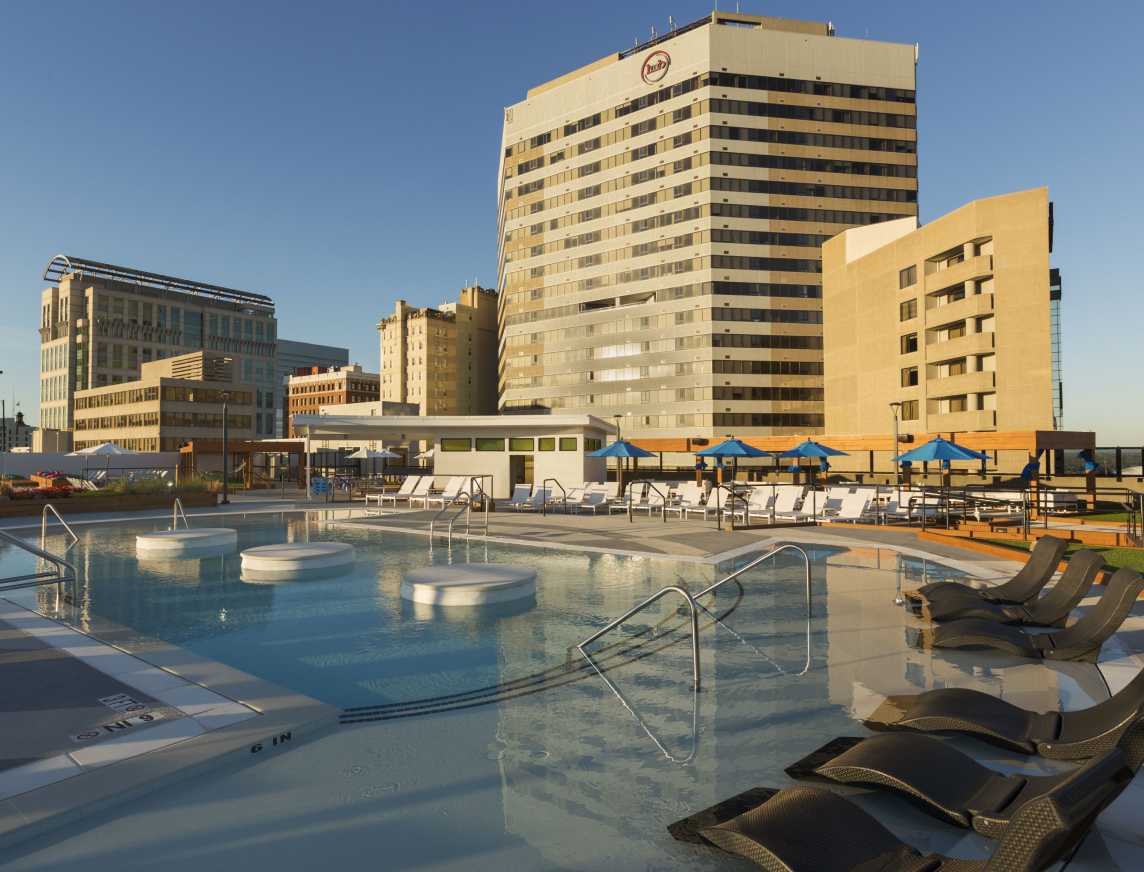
(338, 156)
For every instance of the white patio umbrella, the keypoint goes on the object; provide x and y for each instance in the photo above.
(427, 454)
(106, 450)
(370, 454)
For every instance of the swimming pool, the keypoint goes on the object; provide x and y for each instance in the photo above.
(480, 744)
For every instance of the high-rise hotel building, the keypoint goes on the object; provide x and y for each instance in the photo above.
(661, 219)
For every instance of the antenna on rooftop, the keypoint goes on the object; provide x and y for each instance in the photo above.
(653, 31)
(671, 23)
(737, 10)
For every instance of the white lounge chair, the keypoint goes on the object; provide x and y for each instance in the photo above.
(616, 503)
(654, 498)
(691, 499)
(450, 492)
(854, 508)
(520, 496)
(420, 493)
(594, 499)
(787, 500)
(401, 495)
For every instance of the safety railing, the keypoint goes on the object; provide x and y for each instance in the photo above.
(62, 570)
(48, 507)
(693, 608)
(650, 488)
(177, 513)
(545, 501)
(462, 504)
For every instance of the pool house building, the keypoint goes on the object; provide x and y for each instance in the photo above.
(513, 449)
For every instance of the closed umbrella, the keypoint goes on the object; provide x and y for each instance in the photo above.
(810, 448)
(621, 449)
(733, 448)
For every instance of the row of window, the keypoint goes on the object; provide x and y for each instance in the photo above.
(698, 289)
(796, 395)
(768, 419)
(517, 443)
(166, 419)
(806, 189)
(723, 80)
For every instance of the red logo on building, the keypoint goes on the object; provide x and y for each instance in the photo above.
(655, 67)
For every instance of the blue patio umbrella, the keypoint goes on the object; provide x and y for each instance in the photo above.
(940, 449)
(621, 449)
(810, 448)
(733, 448)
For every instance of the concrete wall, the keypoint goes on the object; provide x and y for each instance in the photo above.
(570, 468)
(26, 464)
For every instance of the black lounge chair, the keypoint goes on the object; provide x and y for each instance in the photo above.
(1049, 610)
(943, 781)
(1081, 641)
(804, 829)
(1027, 583)
(1056, 735)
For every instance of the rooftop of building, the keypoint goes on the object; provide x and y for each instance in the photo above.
(64, 265)
(727, 19)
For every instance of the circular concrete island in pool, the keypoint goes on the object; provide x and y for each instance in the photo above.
(469, 584)
(296, 560)
(172, 543)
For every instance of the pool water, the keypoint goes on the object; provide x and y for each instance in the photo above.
(474, 741)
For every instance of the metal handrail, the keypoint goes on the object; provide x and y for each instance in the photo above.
(655, 597)
(650, 484)
(693, 606)
(48, 507)
(58, 562)
(463, 503)
(544, 502)
(176, 513)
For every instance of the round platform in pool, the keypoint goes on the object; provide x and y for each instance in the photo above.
(469, 584)
(172, 543)
(296, 560)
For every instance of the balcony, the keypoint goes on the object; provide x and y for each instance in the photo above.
(971, 307)
(966, 383)
(963, 346)
(978, 267)
(961, 421)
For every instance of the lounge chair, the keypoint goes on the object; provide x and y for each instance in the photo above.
(421, 492)
(692, 499)
(595, 499)
(1022, 587)
(520, 496)
(449, 493)
(1081, 641)
(805, 829)
(786, 503)
(945, 782)
(615, 502)
(1072, 735)
(403, 493)
(1049, 610)
(654, 499)
(854, 508)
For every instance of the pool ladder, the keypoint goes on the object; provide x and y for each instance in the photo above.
(61, 570)
(48, 507)
(462, 504)
(693, 606)
(176, 513)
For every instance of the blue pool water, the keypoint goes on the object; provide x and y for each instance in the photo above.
(482, 751)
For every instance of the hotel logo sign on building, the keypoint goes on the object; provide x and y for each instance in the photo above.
(655, 67)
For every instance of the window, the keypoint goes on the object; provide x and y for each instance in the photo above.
(957, 404)
(957, 367)
(908, 310)
(908, 276)
(457, 444)
(910, 410)
(521, 443)
(568, 443)
(909, 377)
(909, 343)
(547, 443)
(589, 444)
(490, 443)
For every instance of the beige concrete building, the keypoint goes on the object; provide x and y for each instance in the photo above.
(661, 217)
(444, 359)
(310, 389)
(953, 320)
(177, 399)
(100, 324)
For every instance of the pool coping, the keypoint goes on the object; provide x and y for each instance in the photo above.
(256, 719)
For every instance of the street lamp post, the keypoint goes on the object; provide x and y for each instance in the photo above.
(225, 450)
(896, 407)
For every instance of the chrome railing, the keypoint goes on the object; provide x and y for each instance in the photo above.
(48, 507)
(651, 486)
(62, 570)
(693, 607)
(544, 502)
(177, 513)
(462, 504)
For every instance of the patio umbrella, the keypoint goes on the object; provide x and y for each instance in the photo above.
(733, 448)
(942, 450)
(370, 454)
(621, 449)
(810, 448)
(104, 449)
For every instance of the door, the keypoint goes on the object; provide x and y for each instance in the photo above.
(519, 470)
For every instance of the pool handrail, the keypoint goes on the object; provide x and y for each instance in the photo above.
(544, 501)
(48, 507)
(38, 579)
(652, 486)
(176, 513)
(693, 607)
